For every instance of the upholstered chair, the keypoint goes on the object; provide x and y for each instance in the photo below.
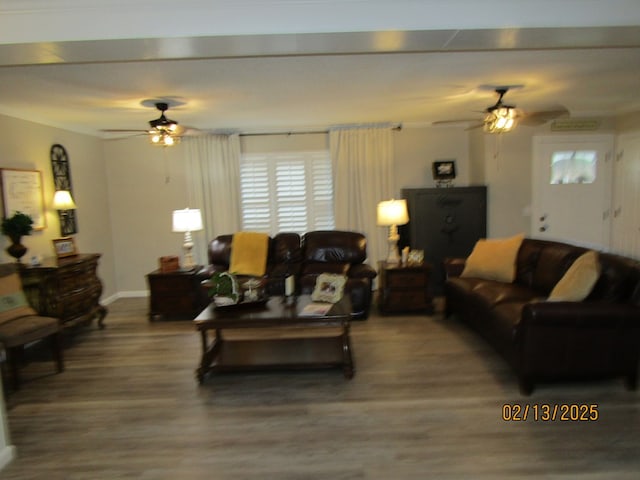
(20, 325)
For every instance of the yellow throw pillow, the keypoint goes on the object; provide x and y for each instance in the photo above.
(494, 259)
(578, 281)
(249, 252)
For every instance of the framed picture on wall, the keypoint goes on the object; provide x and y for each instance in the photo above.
(22, 192)
(444, 170)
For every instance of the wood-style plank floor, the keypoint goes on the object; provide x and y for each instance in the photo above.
(426, 402)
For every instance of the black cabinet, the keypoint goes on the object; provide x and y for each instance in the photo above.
(444, 222)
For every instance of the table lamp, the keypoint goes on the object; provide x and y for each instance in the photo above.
(63, 202)
(392, 213)
(187, 221)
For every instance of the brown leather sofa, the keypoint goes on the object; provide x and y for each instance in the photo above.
(544, 341)
(306, 257)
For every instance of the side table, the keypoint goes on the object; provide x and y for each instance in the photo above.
(176, 294)
(404, 288)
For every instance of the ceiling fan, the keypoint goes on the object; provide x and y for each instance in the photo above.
(500, 117)
(162, 131)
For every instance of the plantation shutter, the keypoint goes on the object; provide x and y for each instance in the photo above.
(286, 192)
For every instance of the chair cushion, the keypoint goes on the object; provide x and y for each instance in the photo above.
(13, 303)
(20, 331)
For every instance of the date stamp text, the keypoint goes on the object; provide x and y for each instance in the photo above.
(550, 412)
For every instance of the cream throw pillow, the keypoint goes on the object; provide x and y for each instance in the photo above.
(494, 259)
(578, 281)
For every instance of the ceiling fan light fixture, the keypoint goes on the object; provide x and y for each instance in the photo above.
(164, 139)
(500, 120)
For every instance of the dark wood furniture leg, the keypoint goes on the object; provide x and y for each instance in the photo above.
(347, 359)
(209, 353)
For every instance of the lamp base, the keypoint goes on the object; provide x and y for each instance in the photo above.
(393, 257)
(188, 263)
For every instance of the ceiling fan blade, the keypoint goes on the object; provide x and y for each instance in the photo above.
(460, 121)
(473, 127)
(124, 136)
(186, 131)
(534, 119)
(124, 130)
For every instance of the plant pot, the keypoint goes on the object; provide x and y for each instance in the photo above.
(16, 249)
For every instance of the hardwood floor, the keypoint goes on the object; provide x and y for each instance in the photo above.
(426, 402)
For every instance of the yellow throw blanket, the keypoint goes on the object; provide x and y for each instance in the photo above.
(249, 253)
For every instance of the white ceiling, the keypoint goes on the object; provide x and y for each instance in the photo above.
(244, 76)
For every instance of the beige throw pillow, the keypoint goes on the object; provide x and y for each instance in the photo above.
(494, 259)
(578, 281)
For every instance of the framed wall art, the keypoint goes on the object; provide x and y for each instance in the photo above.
(22, 192)
(62, 181)
(444, 170)
(64, 247)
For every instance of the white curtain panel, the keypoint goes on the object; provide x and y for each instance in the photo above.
(213, 177)
(362, 161)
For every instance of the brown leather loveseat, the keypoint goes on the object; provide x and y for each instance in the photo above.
(543, 340)
(306, 257)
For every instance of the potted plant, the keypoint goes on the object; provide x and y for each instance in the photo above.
(223, 288)
(15, 227)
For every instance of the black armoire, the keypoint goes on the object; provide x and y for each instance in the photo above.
(444, 222)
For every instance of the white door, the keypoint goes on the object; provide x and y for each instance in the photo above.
(572, 189)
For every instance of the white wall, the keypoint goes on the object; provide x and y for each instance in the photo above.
(146, 183)
(417, 148)
(507, 173)
(7, 451)
(26, 145)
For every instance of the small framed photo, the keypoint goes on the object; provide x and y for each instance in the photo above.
(329, 288)
(415, 257)
(444, 170)
(64, 247)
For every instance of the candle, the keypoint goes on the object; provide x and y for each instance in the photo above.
(289, 285)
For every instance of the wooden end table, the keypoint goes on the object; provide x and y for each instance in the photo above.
(323, 350)
(404, 288)
(176, 294)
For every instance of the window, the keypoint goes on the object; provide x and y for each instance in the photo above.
(286, 192)
(573, 167)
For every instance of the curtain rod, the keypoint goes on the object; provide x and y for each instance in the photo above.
(308, 132)
(396, 126)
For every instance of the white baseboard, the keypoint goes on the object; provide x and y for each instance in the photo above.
(128, 294)
(7, 454)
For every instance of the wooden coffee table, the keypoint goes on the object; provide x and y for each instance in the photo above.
(325, 343)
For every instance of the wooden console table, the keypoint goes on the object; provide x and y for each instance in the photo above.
(65, 288)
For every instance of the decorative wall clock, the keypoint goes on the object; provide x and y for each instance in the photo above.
(62, 181)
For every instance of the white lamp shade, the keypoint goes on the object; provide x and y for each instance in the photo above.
(187, 220)
(392, 212)
(62, 200)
